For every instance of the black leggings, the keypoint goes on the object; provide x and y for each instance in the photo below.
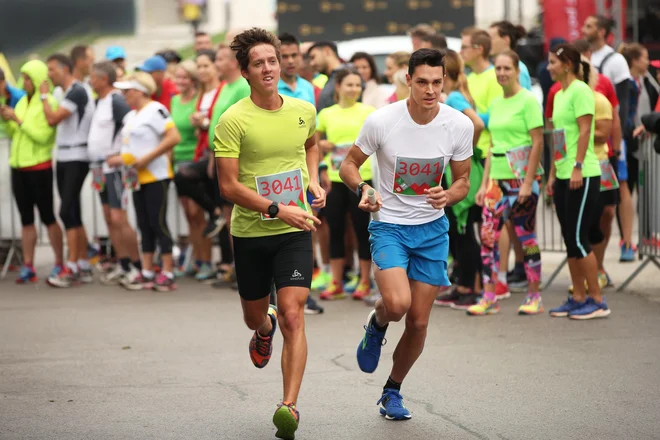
(33, 188)
(192, 181)
(70, 179)
(339, 202)
(465, 248)
(150, 203)
(576, 210)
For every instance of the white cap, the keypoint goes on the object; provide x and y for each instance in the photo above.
(132, 84)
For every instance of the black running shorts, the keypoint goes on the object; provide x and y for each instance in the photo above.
(285, 259)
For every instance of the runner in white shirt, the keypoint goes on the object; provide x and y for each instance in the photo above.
(105, 140)
(414, 140)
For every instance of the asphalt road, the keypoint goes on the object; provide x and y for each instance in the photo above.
(103, 363)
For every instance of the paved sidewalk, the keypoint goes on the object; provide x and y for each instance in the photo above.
(103, 363)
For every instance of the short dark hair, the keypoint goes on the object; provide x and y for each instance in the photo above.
(508, 29)
(478, 37)
(2, 75)
(581, 45)
(438, 41)
(631, 52)
(372, 63)
(426, 57)
(78, 52)
(323, 44)
(107, 68)
(63, 60)
(201, 34)
(208, 53)
(605, 23)
(421, 31)
(567, 53)
(246, 40)
(287, 38)
(170, 55)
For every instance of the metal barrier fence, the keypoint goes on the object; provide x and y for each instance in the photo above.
(547, 226)
(92, 212)
(649, 207)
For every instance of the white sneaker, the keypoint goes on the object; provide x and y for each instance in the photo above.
(132, 280)
(113, 277)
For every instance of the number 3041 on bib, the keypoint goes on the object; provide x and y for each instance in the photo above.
(414, 175)
(286, 188)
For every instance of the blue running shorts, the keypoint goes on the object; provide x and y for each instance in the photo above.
(420, 249)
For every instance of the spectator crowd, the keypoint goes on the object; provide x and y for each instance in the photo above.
(140, 132)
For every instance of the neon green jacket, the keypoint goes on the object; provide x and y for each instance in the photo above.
(33, 140)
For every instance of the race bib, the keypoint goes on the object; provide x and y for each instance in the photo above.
(130, 179)
(338, 155)
(518, 160)
(282, 188)
(608, 180)
(98, 178)
(413, 175)
(559, 144)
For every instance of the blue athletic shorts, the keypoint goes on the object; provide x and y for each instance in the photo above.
(420, 249)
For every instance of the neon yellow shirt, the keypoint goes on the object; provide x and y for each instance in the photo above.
(511, 120)
(484, 88)
(342, 127)
(570, 104)
(320, 80)
(603, 112)
(270, 148)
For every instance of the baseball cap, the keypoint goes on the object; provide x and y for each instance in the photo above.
(155, 63)
(132, 84)
(656, 64)
(115, 53)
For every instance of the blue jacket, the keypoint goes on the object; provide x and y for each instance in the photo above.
(15, 95)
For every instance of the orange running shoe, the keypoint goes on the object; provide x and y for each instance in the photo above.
(261, 347)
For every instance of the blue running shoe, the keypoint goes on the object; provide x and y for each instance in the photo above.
(627, 254)
(392, 406)
(57, 270)
(26, 275)
(590, 310)
(368, 351)
(563, 310)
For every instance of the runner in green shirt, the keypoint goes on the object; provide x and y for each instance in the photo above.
(576, 186)
(510, 188)
(267, 160)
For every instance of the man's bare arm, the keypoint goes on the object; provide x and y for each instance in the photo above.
(350, 167)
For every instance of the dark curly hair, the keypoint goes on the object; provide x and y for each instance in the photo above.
(245, 41)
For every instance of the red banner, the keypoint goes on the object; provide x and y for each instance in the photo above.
(564, 18)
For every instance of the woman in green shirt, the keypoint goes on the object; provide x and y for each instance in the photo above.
(575, 179)
(341, 125)
(183, 106)
(510, 187)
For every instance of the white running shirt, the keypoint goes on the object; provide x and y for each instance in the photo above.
(418, 154)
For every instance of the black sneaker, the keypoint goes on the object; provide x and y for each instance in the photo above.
(214, 226)
(465, 300)
(312, 307)
(447, 299)
(516, 279)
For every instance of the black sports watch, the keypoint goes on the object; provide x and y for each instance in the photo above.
(577, 165)
(359, 189)
(273, 210)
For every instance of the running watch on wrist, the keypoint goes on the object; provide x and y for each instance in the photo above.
(359, 189)
(43, 96)
(273, 210)
(577, 165)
